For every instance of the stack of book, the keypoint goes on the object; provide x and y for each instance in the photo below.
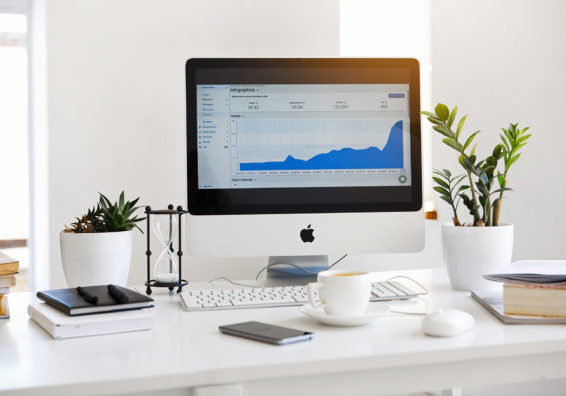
(538, 298)
(93, 310)
(8, 270)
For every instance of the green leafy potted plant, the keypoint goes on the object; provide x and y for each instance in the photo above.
(97, 248)
(483, 245)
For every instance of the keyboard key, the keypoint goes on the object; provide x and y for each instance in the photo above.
(392, 289)
(395, 290)
(381, 291)
(405, 290)
(193, 304)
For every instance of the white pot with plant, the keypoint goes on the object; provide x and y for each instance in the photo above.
(484, 245)
(97, 248)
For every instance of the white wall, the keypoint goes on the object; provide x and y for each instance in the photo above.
(117, 101)
(504, 61)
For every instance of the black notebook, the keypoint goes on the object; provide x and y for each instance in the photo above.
(70, 302)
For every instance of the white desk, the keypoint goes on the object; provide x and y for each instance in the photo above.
(185, 350)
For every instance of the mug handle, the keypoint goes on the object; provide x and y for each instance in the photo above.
(311, 289)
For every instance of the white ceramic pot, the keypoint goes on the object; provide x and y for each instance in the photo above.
(96, 258)
(471, 252)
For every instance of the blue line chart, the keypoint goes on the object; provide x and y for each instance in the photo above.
(390, 157)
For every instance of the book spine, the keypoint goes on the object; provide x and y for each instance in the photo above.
(9, 268)
(94, 329)
(535, 311)
(42, 321)
(545, 302)
(3, 305)
(7, 281)
(54, 303)
(529, 296)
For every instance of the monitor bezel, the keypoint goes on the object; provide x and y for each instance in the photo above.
(303, 200)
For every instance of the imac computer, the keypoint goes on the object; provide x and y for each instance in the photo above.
(298, 159)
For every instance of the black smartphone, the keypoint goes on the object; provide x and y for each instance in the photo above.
(258, 331)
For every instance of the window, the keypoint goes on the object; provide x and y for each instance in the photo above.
(14, 199)
(400, 28)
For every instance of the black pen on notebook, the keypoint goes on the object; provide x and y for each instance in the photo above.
(118, 294)
(89, 298)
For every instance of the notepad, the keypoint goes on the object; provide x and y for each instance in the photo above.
(59, 325)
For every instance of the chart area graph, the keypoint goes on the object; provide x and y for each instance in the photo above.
(389, 156)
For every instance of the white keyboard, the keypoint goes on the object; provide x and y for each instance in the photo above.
(279, 296)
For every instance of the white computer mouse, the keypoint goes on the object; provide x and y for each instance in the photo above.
(447, 323)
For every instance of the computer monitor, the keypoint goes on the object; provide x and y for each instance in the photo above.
(298, 159)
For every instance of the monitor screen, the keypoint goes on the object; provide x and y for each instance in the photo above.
(303, 135)
(277, 136)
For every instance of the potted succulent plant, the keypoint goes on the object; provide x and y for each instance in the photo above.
(483, 245)
(97, 248)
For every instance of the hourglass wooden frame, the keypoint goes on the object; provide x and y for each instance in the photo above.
(171, 212)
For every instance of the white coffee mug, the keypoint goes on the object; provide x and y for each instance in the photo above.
(341, 292)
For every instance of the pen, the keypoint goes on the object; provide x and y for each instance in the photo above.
(118, 294)
(89, 298)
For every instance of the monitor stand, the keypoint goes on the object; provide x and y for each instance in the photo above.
(287, 275)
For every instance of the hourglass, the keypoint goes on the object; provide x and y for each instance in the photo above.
(165, 268)
(165, 224)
